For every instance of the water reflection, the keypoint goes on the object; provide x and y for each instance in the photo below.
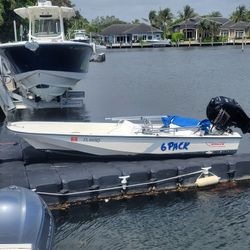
(66, 114)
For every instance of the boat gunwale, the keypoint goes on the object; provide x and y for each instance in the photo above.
(132, 136)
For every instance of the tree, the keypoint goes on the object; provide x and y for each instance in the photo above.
(214, 28)
(136, 21)
(203, 28)
(161, 19)
(62, 3)
(187, 13)
(177, 37)
(7, 16)
(103, 22)
(214, 14)
(153, 18)
(240, 14)
(1, 14)
(165, 18)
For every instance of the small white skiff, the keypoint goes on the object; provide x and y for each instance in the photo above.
(127, 138)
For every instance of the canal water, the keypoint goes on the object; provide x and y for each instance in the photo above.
(177, 81)
(170, 81)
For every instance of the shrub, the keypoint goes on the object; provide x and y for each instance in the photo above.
(177, 36)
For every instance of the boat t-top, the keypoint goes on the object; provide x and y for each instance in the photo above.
(46, 65)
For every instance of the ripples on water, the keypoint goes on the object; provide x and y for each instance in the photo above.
(188, 220)
(177, 81)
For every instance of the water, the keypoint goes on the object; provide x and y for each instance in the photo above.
(163, 81)
(190, 220)
(177, 81)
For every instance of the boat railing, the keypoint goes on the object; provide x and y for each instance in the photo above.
(148, 127)
(170, 130)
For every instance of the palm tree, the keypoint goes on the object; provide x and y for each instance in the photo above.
(152, 16)
(214, 14)
(165, 18)
(240, 14)
(214, 28)
(203, 28)
(187, 13)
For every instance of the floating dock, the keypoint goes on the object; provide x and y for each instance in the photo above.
(69, 179)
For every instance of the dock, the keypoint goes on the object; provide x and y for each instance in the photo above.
(62, 179)
(180, 44)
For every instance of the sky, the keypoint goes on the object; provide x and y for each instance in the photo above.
(128, 10)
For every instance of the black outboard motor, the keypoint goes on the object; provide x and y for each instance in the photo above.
(25, 221)
(224, 112)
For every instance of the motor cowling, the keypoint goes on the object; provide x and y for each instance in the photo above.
(224, 112)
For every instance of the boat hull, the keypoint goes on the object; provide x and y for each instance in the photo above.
(112, 145)
(47, 67)
(109, 139)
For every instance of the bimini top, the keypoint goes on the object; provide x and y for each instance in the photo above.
(45, 9)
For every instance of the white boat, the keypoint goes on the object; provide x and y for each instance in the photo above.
(159, 42)
(81, 36)
(172, 138)
(46, 65)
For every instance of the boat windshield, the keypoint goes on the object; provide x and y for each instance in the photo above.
(46, 28)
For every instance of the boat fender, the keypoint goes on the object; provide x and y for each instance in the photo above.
(124, 181)
(207, 181)
(207, 178)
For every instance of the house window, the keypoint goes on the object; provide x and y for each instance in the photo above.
(224, 33)
(239, 33)
(144, 37)
(150, 37)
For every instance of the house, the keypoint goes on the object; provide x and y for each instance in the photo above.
(237, 30)
(190, 27)
(128, 33)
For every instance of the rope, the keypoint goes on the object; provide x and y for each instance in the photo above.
(119, 187)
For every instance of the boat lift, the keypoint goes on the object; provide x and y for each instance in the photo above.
(11, 98)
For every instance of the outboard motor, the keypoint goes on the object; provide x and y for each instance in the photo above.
(224, 112)
(25, 221)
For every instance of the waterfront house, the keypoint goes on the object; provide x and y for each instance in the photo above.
(190, 27)
(130, 33)
(234, 30)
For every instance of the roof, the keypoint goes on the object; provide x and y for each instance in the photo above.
(220, 20)
(123, 29)
(239, 25)
(227, 25)
(192, 23)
